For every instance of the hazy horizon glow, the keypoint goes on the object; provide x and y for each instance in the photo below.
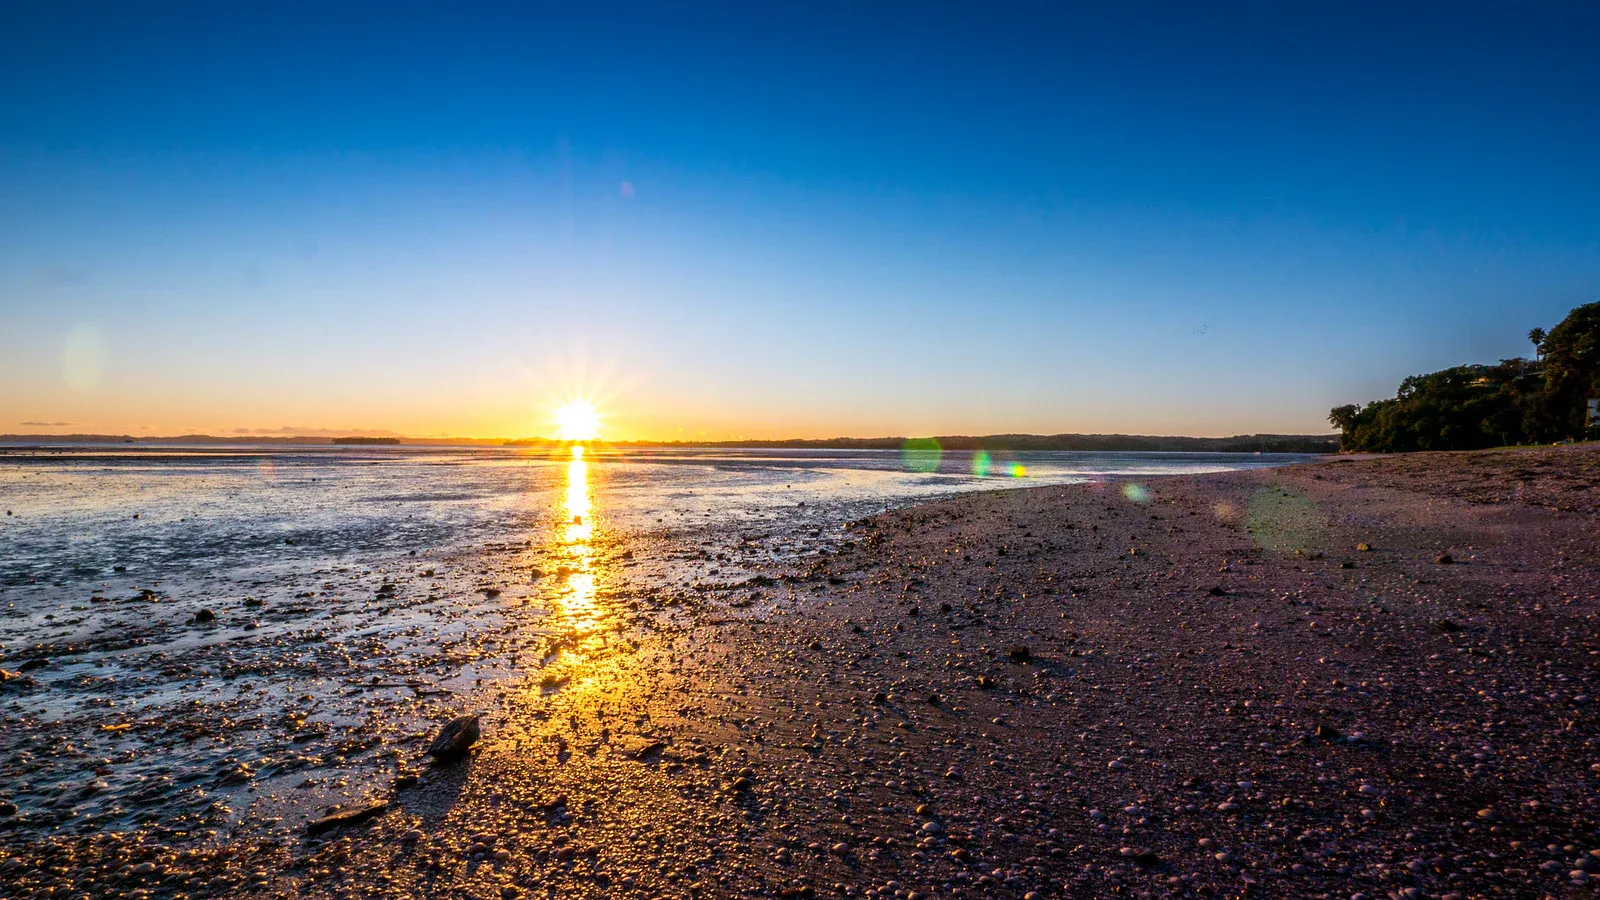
(765, 221)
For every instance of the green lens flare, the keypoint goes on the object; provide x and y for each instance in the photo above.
(981, 463)
(1136, 492)
(921, 455)
(1279, 519)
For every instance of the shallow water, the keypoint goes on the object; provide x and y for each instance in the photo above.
(357, 595)
(74, 517)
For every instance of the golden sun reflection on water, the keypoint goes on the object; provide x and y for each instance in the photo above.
(577, 602)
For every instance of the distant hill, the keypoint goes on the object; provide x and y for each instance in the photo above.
(1244, 443)
(236, 440)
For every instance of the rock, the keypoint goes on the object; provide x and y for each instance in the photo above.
(1217, 592)
(347, 817)
(204, 616)
(1142, 858)
(1327, 733)
(455, 738)
(1444, 559)
(1019, 654)
(1449, 627)
(1364, 548)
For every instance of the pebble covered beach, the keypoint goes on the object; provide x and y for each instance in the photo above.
(1361, 677)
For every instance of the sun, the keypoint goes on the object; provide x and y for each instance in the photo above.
(577, 420)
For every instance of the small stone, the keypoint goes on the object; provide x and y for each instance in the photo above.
(204, 616)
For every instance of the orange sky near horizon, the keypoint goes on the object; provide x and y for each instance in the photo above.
(91, 382)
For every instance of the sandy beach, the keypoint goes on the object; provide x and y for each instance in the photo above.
(1363, 677)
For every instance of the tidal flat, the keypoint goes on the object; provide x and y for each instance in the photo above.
(1347, 677)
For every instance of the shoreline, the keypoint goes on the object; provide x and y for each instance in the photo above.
(1053, 690)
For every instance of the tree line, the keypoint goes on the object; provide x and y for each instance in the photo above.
(1515, 401)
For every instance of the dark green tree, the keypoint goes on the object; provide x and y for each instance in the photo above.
(1571, 372)
(1345, 417)
(1469, 407)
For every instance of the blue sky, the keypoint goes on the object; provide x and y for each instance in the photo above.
(780, 219)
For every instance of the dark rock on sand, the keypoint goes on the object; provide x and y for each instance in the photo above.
(347, 817)
(455, 738)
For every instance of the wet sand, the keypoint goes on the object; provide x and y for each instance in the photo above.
(1363, 677)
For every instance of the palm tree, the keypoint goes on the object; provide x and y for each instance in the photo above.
(1537, 336)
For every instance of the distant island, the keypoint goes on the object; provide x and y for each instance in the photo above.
(1244, 443)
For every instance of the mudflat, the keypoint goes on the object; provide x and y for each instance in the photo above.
(1364, 677)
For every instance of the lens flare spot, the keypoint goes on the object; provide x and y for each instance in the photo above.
(981, 464)
(1227, 512)
(921, 455)
(1136, 492)
(83, 358)
(1279, 519)
(1018, 470)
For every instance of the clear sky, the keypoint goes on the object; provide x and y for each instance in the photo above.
(779, 219)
